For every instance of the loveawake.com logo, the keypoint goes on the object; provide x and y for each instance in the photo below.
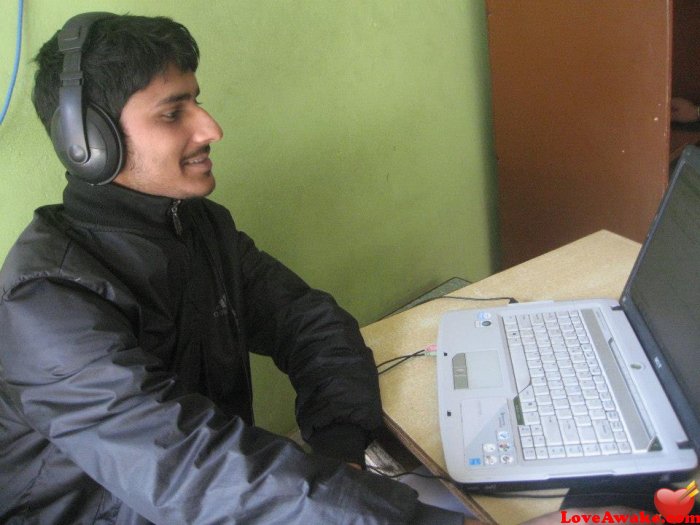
(674, 506)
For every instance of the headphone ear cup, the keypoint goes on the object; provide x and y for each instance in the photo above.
(106, 150)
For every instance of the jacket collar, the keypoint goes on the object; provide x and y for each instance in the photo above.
(114, 206)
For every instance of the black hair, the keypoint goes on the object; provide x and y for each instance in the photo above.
(122, 54)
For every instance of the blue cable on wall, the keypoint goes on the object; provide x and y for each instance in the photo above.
(15, 67)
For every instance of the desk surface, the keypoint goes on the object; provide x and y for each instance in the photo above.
(596, 266)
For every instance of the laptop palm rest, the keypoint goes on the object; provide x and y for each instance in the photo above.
(479, 369)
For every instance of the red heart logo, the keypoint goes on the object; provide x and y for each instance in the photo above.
(674, 505)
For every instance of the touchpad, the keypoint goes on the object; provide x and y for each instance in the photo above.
(483, 369)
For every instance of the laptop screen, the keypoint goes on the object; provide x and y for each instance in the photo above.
(664, 288)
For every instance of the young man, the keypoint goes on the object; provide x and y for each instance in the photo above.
(128, 313)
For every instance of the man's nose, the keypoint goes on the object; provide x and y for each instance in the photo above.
(207, 129)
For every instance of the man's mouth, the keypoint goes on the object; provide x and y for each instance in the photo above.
(199, 157)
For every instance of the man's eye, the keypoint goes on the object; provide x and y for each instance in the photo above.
(171, 115)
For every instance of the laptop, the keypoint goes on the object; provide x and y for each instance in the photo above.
(544, 394)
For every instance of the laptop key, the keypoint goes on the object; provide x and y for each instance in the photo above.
(564, 413)
(546, 410)
(527, 395)
(620, 437)
(582, 421)
(569, 433)
(624, 448)
(528, 406)
(574, 451)
(597, 414)
(531, 418)
(587, 435)
(556, 452)
(608, 448)
(603, 431)
(579, 410)
(591, 449)
(550, 426)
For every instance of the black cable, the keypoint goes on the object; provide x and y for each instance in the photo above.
(401, 359)
(511, 300)
(401, 474)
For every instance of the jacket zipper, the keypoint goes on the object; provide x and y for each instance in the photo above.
(221, 285)
(177, 224)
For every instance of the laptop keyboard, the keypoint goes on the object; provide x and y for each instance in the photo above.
(567, 410)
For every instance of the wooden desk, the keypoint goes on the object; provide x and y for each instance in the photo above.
(596, 266)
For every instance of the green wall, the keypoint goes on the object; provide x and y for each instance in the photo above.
(357, 141)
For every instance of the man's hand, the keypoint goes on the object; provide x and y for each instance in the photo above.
(683, 110)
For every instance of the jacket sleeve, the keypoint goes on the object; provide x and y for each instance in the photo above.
(319, 346)
(72, 367)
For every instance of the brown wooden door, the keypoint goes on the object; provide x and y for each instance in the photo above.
(581, 118)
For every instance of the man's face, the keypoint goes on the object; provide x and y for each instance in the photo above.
(167, 139)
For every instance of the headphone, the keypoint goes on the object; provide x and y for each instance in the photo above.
(85, 137)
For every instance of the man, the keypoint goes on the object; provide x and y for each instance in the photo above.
(128, 313)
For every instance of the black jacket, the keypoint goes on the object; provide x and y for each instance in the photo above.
(125, 388)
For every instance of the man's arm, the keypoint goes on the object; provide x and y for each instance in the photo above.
(319, 346)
